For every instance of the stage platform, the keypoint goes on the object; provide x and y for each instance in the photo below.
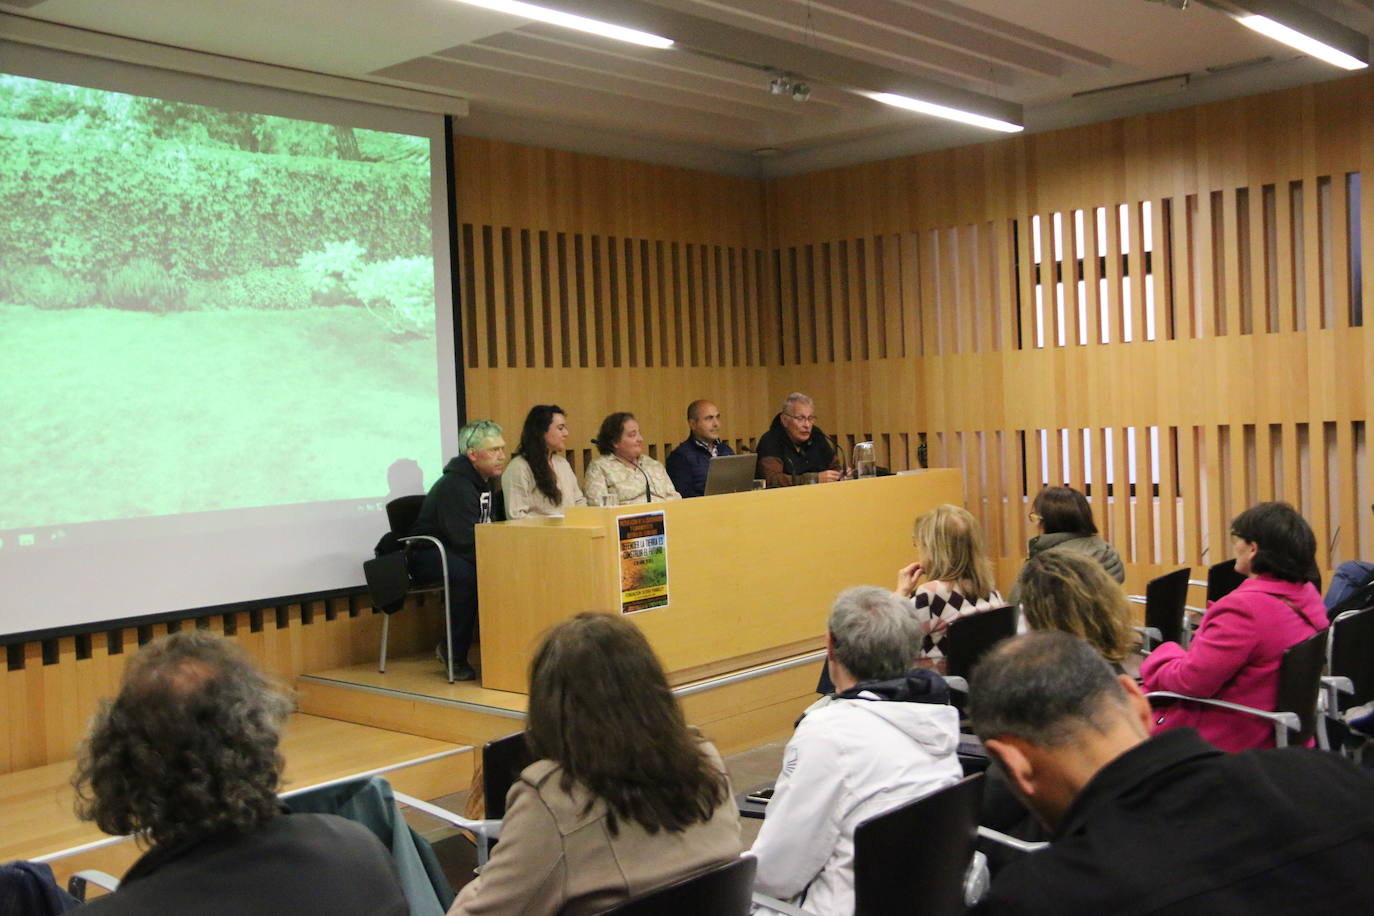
(738, 711)
(36, 805)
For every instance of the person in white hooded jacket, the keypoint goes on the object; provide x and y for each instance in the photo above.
(888, 736)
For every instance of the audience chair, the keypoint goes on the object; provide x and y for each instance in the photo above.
(1222, 580)
(1296, 717)
(1166, 602)
(918, 857)
(388, 577)
(1350, 675)
(502, 761)
(968, 638)
(722, 890)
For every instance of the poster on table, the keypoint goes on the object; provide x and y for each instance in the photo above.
(643, 562)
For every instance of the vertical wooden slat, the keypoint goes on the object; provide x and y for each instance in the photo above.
(837, 325)
(1311, 254)
(480, 305)
(874, 303)
(1114, 278)
(1258, 260)
(1338, 287)
(790, 294)
(1170, 549)
(931, 343)
(1189, 474)
(966, 304)
(502, 348)
(1136, 266)
(1345, 497)
(1121, 493)
(1283, 256)
(1072, 260)
(519, 317)
(1161, 267)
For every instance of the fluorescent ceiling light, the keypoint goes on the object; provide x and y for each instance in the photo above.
(570, 21)
(1304, 43)
(944, 111)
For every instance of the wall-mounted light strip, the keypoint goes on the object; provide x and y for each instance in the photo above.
(1304, 43)
(571, 21)
(944, 111)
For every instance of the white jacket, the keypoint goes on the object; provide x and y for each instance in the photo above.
(847, 761)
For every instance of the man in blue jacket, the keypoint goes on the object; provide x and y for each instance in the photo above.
(688, 462)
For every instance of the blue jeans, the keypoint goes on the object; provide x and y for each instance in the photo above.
(1349, 577)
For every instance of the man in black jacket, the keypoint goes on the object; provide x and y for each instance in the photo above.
(186, 758)
(465, 496)
(795, 446)
(1160, 825)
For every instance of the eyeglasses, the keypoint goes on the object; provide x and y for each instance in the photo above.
(807, 419)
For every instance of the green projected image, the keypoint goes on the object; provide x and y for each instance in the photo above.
(205, 309)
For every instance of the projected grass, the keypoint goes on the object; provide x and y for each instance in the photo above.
(204, 309)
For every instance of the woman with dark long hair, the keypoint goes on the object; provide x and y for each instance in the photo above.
(1236, 652)
(539, 480)
(1065, 522)
(624, 797)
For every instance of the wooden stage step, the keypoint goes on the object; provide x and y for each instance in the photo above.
(36, 805)
(738, 711)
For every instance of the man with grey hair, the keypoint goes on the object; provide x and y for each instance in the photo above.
(888, 736)
(794, 446)
(1167, 824)
(186, 758)
(466, 495)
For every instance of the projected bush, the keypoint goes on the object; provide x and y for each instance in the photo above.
(206, 309)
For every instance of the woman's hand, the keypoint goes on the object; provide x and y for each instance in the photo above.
(907, 578)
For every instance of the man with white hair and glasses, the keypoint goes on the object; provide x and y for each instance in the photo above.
(795, 446)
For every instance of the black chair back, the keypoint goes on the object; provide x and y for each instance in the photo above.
(722, 890)
(1352, 654)
(1300, 682)
(914, 857)
(968, 638)
(1165, 598)
(1222, 580)
(402, 512)
(502, 761)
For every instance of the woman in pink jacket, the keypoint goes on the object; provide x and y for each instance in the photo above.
(1235, 653)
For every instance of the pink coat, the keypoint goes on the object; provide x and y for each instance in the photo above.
(1235, 656)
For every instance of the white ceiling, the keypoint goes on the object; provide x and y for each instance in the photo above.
(708, 105)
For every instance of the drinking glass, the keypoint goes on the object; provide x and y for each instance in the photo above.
(865, 461)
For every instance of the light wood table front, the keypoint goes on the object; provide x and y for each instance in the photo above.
(751, 576)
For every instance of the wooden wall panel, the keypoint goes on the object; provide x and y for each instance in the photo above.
(1205, 328)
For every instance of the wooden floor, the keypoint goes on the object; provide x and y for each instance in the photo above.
(420, 676)
(36, 805)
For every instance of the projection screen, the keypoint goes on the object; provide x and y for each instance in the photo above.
(227, 337)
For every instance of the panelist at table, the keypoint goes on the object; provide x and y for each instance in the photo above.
(688, 462)
(795, 446)
(623, 472)
(539, 480)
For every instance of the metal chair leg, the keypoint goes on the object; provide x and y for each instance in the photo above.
(448, 619)
(386, 630)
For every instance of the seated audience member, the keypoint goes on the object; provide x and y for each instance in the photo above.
(1066, 523)
(1236, 651)
(1350, 585)
(539, 480)
(1166, 824)
(1070, 592)
(624, 797)
(688, 462)
(186, 758)
(623, 471)
(466, 495)
(888, 736)
(794, 445)
(958, 573)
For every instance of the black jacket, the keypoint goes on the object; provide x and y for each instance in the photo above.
(1176, 826)
(781, 460)
(293, 864)
(453, 507)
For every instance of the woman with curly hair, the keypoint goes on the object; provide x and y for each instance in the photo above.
(1063, 590)
(624, 797)
(539, 480)
(186, 759)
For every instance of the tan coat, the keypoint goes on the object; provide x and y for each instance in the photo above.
(554, 858)
(523, 498)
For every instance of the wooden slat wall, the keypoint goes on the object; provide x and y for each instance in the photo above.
(49, 690)
(1173, 304)
(601, 285)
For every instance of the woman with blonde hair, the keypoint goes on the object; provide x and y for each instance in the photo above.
(1070, 591)
(957, 572)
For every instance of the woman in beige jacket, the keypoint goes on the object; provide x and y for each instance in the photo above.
(539, 480)
(625, 797)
